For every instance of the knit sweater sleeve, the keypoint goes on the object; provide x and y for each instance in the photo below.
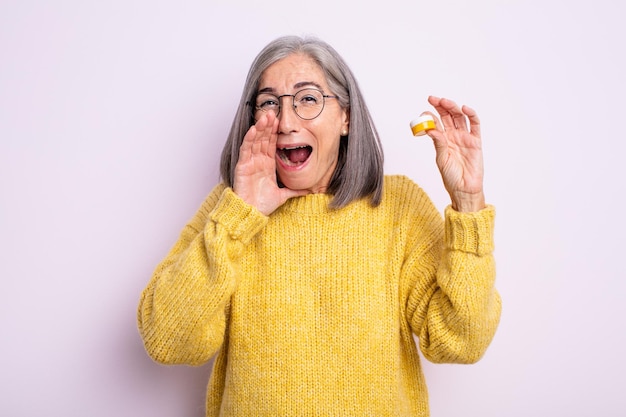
(454, 308)
(182, 312)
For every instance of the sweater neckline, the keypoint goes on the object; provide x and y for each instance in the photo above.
(311, 204)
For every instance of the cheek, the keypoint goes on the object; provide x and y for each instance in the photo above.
(328, 134)
(329, 148)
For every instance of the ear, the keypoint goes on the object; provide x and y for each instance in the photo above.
(345, 122)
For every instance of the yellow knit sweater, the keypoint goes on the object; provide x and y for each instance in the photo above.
(313, 310)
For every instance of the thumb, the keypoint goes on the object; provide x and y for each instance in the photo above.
(439, 140)
(287, 193)
(436, 134)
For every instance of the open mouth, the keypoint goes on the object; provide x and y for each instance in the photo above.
(295, 156)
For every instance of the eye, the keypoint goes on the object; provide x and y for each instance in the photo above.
(309, 98)
(267, 102)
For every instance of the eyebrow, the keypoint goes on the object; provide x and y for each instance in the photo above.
(299, 85)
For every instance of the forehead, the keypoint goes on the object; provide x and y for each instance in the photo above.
(292, 72)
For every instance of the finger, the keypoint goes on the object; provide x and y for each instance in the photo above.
(260, 133)
(271, 151)
(458, 117)
(269, 136)
(444, 114)
(474, 121)
(245, 150)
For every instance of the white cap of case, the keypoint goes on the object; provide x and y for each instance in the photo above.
(423, 123)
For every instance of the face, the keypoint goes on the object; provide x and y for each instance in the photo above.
(307, 150)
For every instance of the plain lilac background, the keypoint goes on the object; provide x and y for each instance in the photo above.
(112, 117)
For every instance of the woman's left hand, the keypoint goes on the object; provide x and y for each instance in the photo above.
(459, 153)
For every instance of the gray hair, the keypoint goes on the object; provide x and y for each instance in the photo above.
(359, 171)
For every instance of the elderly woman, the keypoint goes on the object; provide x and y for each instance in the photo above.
(308, 271)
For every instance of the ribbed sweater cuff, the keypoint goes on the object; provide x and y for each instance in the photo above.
(470, 232)
(242, 220)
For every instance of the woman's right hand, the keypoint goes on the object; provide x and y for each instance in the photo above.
(255, 173)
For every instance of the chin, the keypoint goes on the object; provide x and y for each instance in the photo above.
(297, 184)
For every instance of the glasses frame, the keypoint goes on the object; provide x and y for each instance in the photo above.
(256, 108)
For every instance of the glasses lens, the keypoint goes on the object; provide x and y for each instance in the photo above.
(267, 102)
(308, 103)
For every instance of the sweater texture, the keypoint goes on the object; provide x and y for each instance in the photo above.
(313, 311)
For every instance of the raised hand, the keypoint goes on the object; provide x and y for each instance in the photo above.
(459, 153)
(255, 173)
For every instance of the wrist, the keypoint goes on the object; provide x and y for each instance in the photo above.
(468, 202)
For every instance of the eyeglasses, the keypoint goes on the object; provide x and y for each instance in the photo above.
(307, 103)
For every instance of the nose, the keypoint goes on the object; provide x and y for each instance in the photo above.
(288, 120)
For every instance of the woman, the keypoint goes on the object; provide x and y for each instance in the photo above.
(308, 272)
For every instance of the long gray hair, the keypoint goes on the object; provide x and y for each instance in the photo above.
(359, 171)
